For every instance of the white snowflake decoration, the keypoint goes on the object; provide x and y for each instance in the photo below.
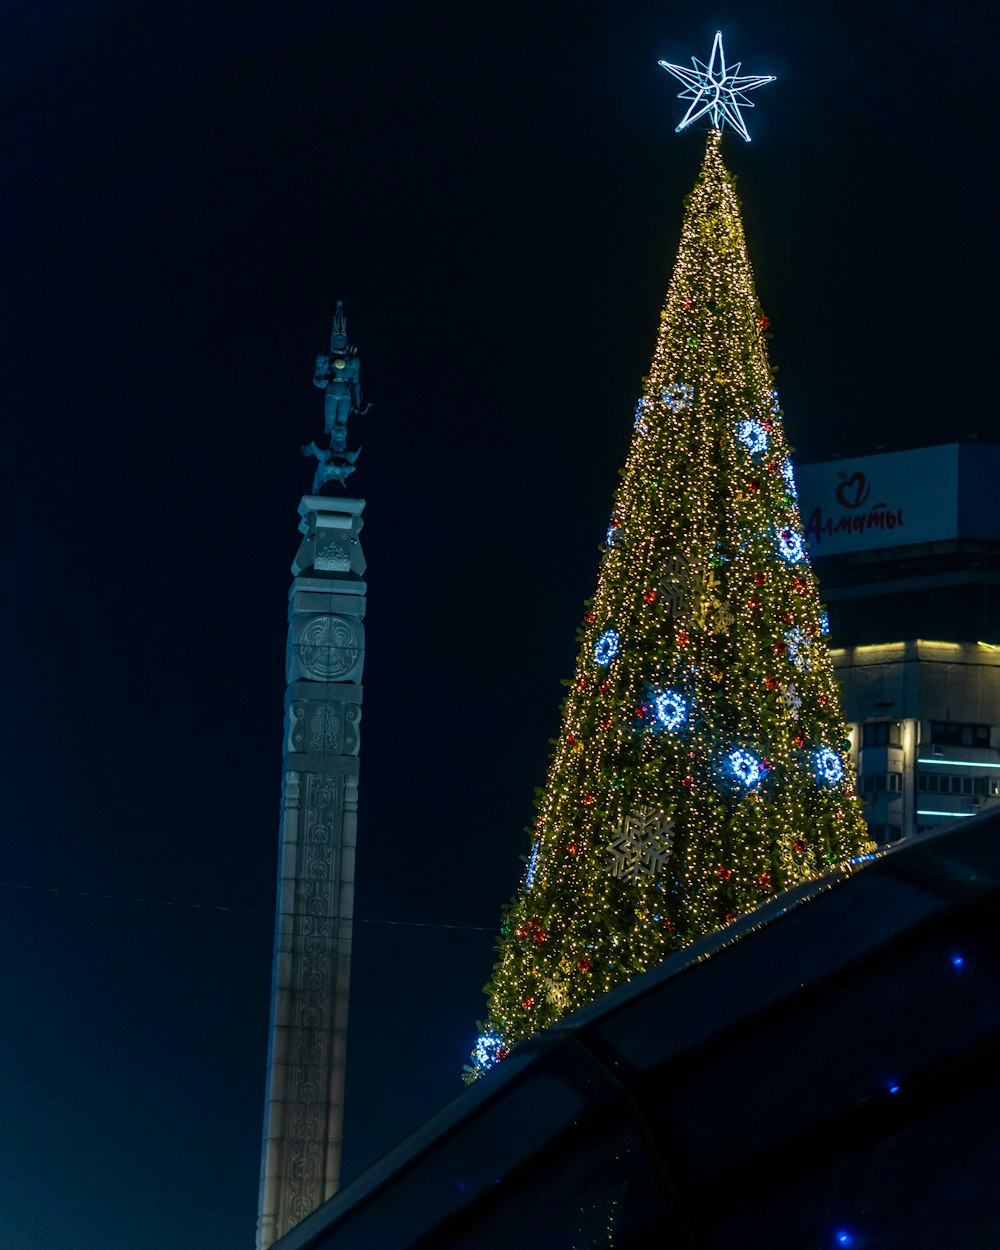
(798, 648)
(557, 993)
(642, 842)
(793, 700)
(674, 582)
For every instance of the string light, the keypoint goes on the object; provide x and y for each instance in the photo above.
(788, 473)
(703, 597)
(529, 879)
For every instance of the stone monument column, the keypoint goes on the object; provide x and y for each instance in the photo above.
(303, 1115)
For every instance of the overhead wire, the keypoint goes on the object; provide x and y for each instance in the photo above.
(243, 911)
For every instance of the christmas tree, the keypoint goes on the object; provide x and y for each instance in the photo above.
(702, 765)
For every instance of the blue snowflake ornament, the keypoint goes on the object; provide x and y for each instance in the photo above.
(829, 766)
(487, 1052)
(753, 436)
(606, 647)
(791, 545)
(745, 767)
(678, 396)
(670, 709)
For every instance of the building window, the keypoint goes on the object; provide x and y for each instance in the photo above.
(877, 783)
(880, 733)
(945, 734)
(948, 783)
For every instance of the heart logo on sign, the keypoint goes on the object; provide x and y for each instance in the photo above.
(853, 491)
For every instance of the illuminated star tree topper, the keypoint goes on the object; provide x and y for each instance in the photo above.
(716, 90)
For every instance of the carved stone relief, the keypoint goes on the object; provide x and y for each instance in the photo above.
(325, 648)
(333, 552)
(323, 727)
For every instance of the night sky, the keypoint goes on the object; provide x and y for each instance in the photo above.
(495, 191)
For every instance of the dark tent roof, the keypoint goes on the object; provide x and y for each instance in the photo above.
(824, 1072)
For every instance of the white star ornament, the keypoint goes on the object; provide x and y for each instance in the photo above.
(716, 90)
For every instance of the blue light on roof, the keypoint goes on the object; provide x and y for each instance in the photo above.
(922, 759)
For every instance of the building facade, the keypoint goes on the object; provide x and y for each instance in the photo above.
(907, 549)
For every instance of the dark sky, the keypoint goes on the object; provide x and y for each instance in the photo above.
(495, 191)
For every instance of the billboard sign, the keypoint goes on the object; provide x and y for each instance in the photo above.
(888, 500)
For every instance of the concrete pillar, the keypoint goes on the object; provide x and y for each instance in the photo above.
(303, 1117)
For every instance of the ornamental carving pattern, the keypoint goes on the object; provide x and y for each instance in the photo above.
(324, 727)
(333, 552)
(325, 648)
